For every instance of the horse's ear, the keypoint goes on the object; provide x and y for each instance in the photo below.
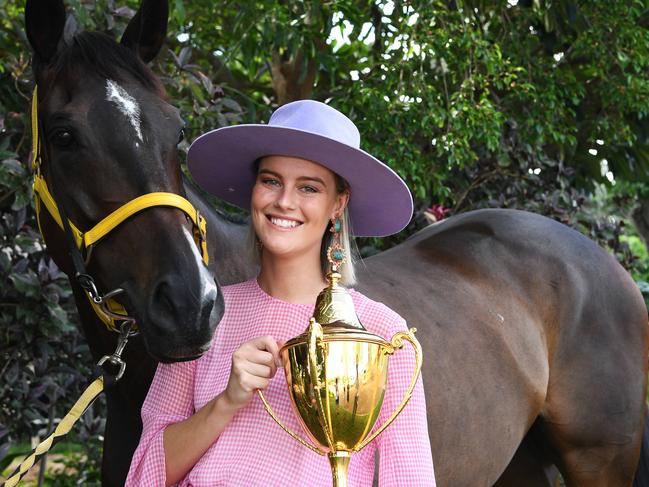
(44, 22)
(147, 30)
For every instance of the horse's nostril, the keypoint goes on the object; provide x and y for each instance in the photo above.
(177, 309)
(168, 303)
(163, 298)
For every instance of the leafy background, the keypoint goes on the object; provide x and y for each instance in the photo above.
(530, 104)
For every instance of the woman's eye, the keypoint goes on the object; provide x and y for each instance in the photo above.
(309, 189)
(270, 182)
(62, 138)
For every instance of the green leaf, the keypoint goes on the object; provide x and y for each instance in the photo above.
(28, 243)
(179, 12)
(26, 283)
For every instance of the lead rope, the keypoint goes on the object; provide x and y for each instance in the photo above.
(81, 406)
(84, 402)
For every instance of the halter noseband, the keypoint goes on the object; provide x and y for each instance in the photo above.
(106, 307)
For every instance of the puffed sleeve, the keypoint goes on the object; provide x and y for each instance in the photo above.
(405, 457)
(170, 400)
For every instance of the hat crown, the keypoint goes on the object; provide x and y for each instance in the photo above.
(318, 118)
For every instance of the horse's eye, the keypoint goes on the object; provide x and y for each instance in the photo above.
(62, 138)
(181, 135)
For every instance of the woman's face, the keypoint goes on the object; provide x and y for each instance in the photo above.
(293, 201)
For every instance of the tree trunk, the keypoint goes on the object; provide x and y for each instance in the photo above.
(293, 78)
(641, 219)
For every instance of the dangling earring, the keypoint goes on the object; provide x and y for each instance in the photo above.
(336, 252)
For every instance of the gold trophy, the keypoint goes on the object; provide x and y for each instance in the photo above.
(336, 373)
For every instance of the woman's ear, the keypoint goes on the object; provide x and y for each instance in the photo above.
(342, 199)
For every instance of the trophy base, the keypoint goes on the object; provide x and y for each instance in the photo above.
(339, 461)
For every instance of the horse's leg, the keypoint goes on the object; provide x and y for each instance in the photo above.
(123, 422)
(123, 399)
(122, 434)
(601, 455)
(594, 411)
(531, 466)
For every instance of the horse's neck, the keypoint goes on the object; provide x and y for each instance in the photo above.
(229, 260)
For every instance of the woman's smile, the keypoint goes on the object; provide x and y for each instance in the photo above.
(283, 223)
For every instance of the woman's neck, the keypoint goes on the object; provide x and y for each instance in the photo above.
(295, 280)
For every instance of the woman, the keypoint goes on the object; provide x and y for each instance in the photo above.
(300, 175)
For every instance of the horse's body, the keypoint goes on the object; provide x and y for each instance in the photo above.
(525, 325)
(535, 340)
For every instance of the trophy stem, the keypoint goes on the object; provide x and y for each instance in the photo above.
(339, 461)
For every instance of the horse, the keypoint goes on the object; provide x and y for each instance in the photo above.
(84, 92)
(535, 339)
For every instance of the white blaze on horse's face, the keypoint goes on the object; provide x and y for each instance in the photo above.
(126, 104)
(209, 286)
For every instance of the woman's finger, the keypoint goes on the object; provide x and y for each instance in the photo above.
(250, 383)
(269, 344)
(259, 370)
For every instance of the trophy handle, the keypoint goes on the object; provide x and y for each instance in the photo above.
(270, 411)
(397, 342)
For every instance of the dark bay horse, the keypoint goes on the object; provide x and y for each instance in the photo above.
(109, 135)
(536, 349)
(535, 339)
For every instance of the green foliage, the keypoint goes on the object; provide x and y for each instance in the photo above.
(466, 100)
(68, 463)
(81, 461)
(435, 85)
(476, 104)
(44, 361)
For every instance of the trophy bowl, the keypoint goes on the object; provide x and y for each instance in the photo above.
(339, 406)
(336, 382)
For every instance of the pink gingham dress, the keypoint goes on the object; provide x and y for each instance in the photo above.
(253, 450)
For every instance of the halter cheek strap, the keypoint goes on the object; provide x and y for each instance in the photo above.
(86, 240)
(106, 308)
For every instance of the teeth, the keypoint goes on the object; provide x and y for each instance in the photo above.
(284, 223)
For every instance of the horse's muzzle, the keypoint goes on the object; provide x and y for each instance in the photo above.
(180, 318)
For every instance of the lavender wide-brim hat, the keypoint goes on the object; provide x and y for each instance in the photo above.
(222, 162)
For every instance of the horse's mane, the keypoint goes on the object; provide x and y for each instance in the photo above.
(211, 202)
(95, 52)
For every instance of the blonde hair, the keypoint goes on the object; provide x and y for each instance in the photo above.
(347, 270)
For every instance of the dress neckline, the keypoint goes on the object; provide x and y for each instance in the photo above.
(268, 297)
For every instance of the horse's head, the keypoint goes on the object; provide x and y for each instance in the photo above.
(108, 136)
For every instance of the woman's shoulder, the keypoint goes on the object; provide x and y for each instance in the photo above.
(376, 316)
(241, 290)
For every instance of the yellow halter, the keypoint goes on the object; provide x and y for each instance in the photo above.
(109, 311)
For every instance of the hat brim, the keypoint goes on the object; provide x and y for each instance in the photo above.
(221, 161)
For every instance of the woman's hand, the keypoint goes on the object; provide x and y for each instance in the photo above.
(254, 363)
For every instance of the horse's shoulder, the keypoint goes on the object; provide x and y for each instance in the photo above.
(376, 316)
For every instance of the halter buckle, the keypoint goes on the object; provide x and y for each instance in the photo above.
(88, 284)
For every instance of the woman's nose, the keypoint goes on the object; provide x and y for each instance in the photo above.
(286, 199)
